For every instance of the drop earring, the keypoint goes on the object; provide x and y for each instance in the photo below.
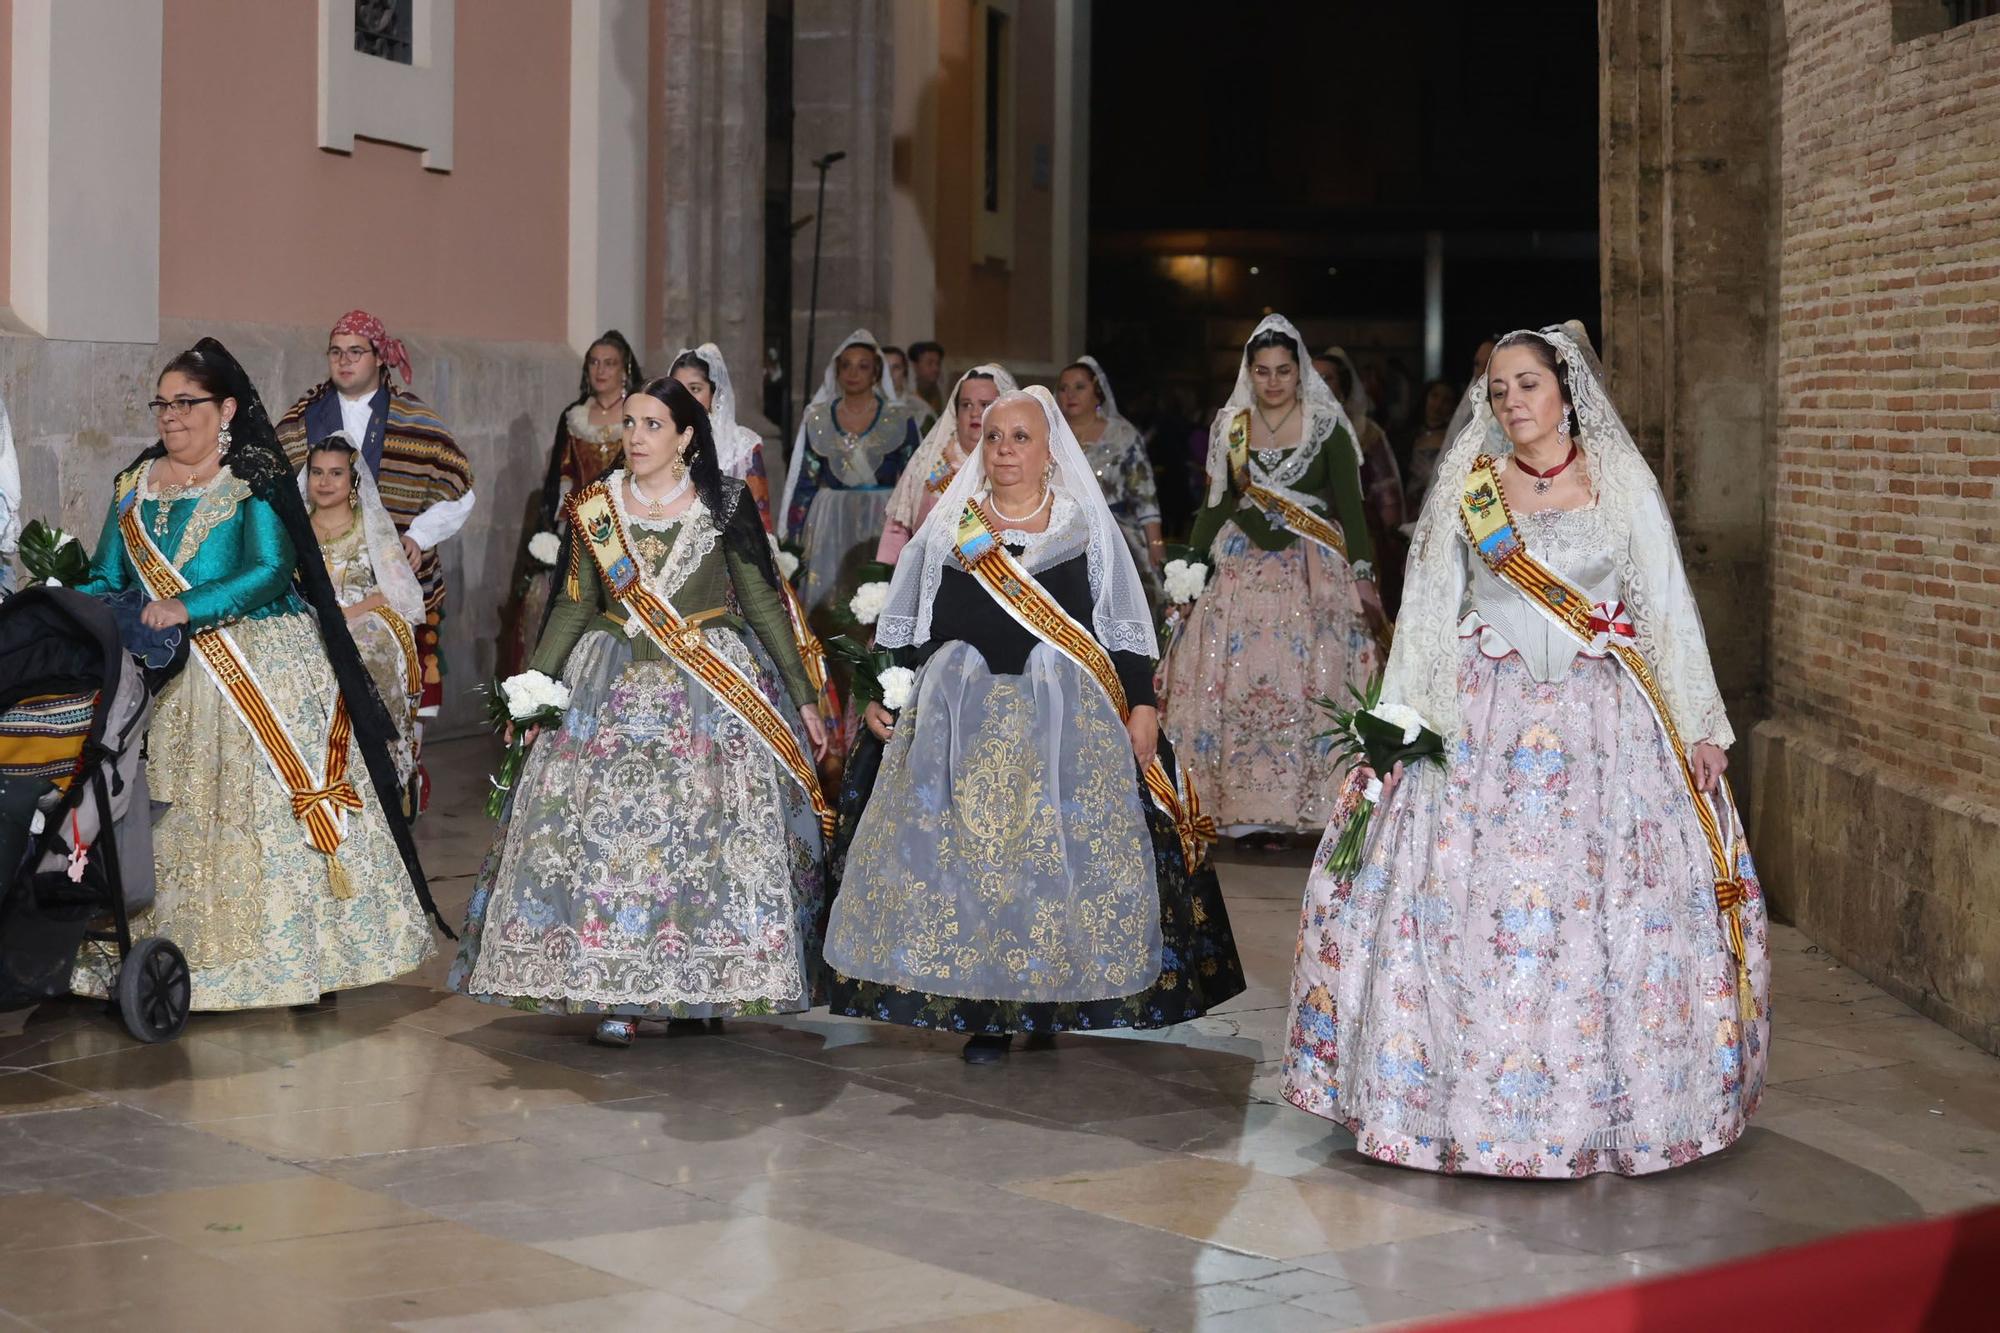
(1565, 425)
(222, 437)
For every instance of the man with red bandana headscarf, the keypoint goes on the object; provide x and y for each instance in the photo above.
(424, 478)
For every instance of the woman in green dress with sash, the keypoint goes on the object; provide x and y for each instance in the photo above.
(1286, 617)
(661, 854)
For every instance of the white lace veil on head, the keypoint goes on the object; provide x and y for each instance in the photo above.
(828, 390)
(1081, 523)
(1322, 410)
(734, 443)
(1357, 402)
(1423, 664)
(906, 502)
(393, 574)
(1108, 407)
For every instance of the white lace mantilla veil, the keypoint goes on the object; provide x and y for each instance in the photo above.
(1423, 663)
(1121, 618)
(1357, 403)
(828, 390)
(1108, 408)
(907, 500)
(393, 574)
(733, 441)
(1322, 410)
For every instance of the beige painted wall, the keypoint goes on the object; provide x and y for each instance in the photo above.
(6, 137)
(258, 223)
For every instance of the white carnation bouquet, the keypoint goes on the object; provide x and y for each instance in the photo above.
(545, 548)
(1182, 580)
(868, 601)
(525, 702)
(1372, 738)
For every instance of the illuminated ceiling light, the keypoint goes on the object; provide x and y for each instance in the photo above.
(1253, 270)
(1331, 270)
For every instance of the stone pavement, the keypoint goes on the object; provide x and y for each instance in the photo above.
(410, 1159)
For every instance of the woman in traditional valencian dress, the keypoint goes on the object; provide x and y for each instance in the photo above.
(661, 854)
(740, 454)
(938, 459)
(1027, 861)
(588, 435)
(851, 448)
(1117, 455)
(284, 869)
(1552, 958)
(378, 593)
(1286, 617)
(739, 451)
(1381, 479)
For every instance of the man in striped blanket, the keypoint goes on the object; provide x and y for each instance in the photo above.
(424, 478)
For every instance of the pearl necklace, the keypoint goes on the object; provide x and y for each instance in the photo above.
(1048, 494)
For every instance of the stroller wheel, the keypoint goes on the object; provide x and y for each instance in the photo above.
(154, 990)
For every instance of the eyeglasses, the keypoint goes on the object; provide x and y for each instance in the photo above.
(346, 354)
(177, 407)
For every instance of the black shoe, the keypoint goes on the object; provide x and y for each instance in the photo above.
(1040, 1041)
(686, 1027)
(987, 1050)
(715, 1025)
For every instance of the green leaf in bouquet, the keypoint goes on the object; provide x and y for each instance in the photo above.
(50, 553)
(865, 664)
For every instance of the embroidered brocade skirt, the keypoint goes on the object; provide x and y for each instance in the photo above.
(241, 892)
(842, 531)
(387, 658)
(655, 861)
(1274, 631)
(1528, 976)
(1005, 872)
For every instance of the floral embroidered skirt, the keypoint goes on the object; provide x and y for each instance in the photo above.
(1274, 631)
(1528, 976)
(241, 891)
(1002, 859)
(655, 861)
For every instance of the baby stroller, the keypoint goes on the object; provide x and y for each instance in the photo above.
(76, 842)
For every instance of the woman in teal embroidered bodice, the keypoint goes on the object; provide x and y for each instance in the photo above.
(264, 915)
(236, 558)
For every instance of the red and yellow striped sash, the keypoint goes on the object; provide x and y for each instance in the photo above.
(1289, 513)
(320, 803)
(1030, 604)
(595, 521)
(1489, 526)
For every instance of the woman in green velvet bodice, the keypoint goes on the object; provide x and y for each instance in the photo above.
(1285, 618)
(656, 859)
(264, 916)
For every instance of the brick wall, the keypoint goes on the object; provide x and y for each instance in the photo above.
(1879, 773)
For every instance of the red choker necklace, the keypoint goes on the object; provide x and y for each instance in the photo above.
(1544, 479)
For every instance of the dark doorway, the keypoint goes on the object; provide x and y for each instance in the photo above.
(1342, 165)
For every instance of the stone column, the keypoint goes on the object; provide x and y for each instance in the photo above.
(1684, 211)
(843, 80)
(709, 125)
